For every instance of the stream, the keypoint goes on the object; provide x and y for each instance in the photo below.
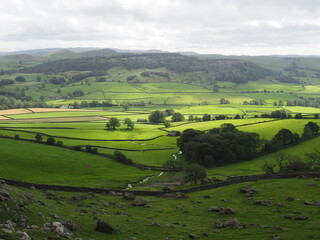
(130, 185)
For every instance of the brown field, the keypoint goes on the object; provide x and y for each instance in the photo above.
(42, 110)
(14, 111)
(56, 120)
(3, 118)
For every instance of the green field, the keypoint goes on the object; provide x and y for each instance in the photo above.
(32, 162)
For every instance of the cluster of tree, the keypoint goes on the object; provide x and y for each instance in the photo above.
(81, 76)
(159, 116)
(20, 79)
(76, 93)
(234, 70)
(10, 103)
(219, 146)
(305, 102)
(224, 101)
(4, 82)
(114, 122)
(207, 117)
(255, 102)
(281, 114)
(286, 162)
(49, 141)
(93, 103)
(160, 74)
(57, 80)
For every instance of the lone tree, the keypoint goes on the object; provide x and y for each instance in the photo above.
(177, 117)
(113, 123)
(129, 123)
(157, 117)
(194, 172)
(285, 136)
(38, 137)
(313, 127)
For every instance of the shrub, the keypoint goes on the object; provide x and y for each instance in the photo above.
(77, 148)
(17, 136)
(38, 137)
(119, 156)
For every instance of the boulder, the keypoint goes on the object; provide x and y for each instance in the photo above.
(233, 224)
(4, 195)
(139, 201)
(248, 190)
(218, 224)
(301, 217)
(193, 236)
(128, 195)
(215, 209)
(57, 228)
(227, 211)
(105, 227)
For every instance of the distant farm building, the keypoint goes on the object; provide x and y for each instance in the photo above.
(174, 134)
(141, 120)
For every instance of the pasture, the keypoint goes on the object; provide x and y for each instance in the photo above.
(54, 165)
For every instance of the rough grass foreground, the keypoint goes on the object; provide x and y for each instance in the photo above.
(285, 201)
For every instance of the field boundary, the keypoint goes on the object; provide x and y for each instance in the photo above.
(230, 181)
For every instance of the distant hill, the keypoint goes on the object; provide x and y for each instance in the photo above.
(98, 53)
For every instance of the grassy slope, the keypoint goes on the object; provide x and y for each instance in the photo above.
(52, 165)
(193, 217)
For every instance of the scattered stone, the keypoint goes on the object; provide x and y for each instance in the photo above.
(105, 227)
(112, 203)
(296, 212)
(215, 209)
(248, 190)
(227, 211)
(54, 215)
(316, 203)
(133, 238)
(290, 199)
(112, 193)
(128, 195)
(168, 188)
(275, 237)
(218, 224)
(288, 216)
(80, 198)
(301, 217)
(69, 225)
(139, 201)
(206, 196)
(279, 204)
(317, 179)
(232, 223)
(276, 210)
(264, 226)
(307, 202)
(261, 202)
(156, 224)
(193, 236)
(8, 227)
(225, 200)
(24, 236)
(4, 195)
(58, 228)
(205, 234)
(216, 231)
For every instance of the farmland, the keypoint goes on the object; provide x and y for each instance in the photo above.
(55, 129)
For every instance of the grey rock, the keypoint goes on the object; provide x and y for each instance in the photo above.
(105, 227)
(139, 201)
(57, 228)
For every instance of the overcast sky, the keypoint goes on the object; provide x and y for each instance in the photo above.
(249, 27)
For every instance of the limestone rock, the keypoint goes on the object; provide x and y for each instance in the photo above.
(105, 227)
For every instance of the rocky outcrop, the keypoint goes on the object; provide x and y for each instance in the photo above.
(57, 228)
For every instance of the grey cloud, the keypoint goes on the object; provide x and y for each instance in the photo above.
(203, 25)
